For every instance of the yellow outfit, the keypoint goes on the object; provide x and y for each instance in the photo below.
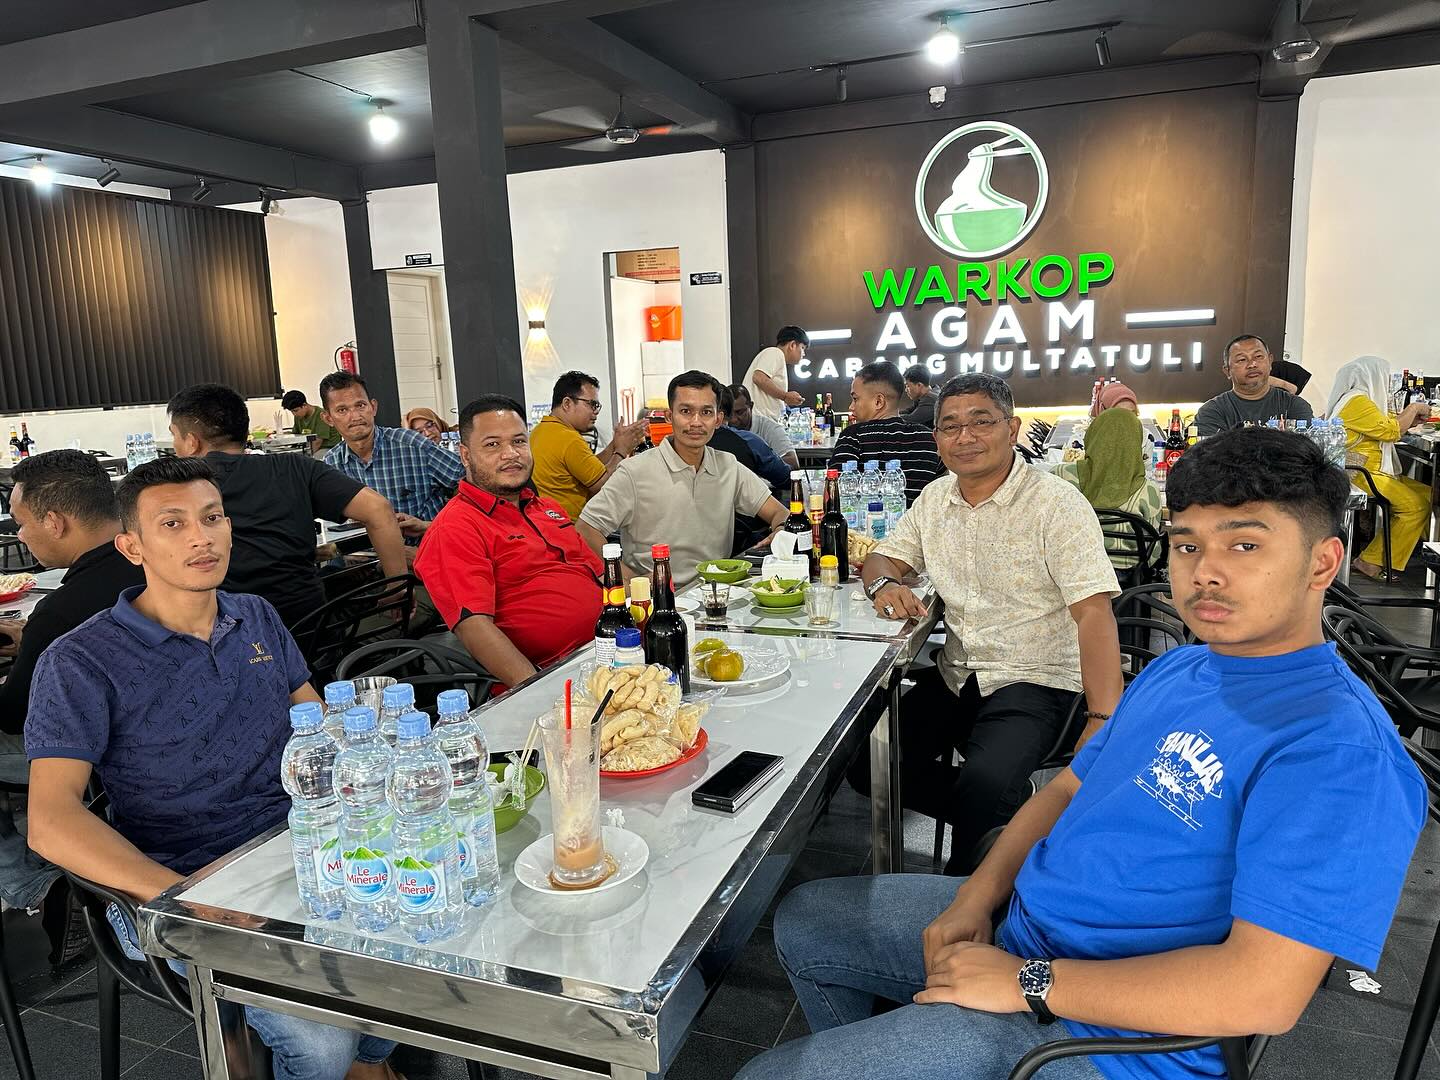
(565, 466)
(1367, 428)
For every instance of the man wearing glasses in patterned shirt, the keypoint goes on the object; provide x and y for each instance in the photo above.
(1018, 558)
(566, 469)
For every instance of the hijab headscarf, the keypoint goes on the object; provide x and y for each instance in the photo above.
(1112, 470)
(1112, 394)
(1365, 376)
(428, 414)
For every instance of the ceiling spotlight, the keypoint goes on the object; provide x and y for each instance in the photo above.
(266, 201)
(1102, 49)
(383, 128)
(202, 191)
(41, 175)
(109, 176)
(842, 83)
(944, 45)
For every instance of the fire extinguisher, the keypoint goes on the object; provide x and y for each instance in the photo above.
(347, 359)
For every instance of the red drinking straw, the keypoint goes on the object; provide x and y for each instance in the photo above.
(568, 684)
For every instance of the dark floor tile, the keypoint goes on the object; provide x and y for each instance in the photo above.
(185, 1041)
(754, 1001)
(139, 1018)
(59, 1048)
(1320, 1053)
(813, 866)
(1386, 1014)
(36, 987)
(795, 1027)
(165, 1065)
(704, 1057)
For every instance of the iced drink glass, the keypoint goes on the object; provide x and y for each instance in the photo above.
(572, 765)
(370, 691)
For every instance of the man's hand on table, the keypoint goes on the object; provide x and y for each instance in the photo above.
(974, 976)
(11, 631)
(898, 602)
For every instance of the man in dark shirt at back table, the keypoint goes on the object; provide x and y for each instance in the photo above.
(1252, 399)
(272, 501)
(879, 433)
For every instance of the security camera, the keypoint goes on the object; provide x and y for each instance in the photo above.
(937, 96)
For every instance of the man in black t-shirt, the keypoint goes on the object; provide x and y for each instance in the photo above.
(1253, 398)
(272, 501)
(879, 433)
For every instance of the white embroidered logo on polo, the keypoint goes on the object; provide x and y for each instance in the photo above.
(1184, 773)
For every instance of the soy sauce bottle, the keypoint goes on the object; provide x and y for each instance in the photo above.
(666, 640)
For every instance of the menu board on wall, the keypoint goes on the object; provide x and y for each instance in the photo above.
(1052, 246)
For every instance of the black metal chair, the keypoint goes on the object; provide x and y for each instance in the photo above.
(1153, 601)
(426, 665)
(1427, 997)
(376, 611)
(1241, 1053)
(15, 557)
(1131, 539)
(10, 1014)
(1381, 662)
(1382, 511)
(1340, 593)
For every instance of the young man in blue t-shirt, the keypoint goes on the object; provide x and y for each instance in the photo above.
(178, 698)
(1247, 815)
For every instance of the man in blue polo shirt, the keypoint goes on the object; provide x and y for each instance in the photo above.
(1247, 815)
(178, 698)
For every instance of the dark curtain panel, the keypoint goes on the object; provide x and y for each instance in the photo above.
(115, 300)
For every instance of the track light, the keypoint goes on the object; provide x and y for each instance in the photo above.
(41, 175)
(266, 201)
(202, 192)
(842, 83)
(383, 129)
(109, 176)
(944, 45)
(1102, 49)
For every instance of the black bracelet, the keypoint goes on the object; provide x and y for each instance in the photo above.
(1089, 715)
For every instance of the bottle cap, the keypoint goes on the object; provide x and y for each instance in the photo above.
(850, 466)
(359, 720)
(397, 695)
(340, 693)
(796, 474)
(639, 589)
(413, 725)
(307, 716)
(610, 551)
(832, 474)
(872, 466)
(452, 701)
(660, 551)
(827, 561)
(876, 507)
(891, 466)
(627, 638)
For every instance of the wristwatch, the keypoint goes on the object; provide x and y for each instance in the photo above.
(1036, 978)
(873, 589)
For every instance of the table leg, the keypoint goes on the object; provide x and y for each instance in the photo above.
(887, 831)
(207, 1024)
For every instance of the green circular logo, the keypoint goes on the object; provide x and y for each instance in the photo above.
(974, 220)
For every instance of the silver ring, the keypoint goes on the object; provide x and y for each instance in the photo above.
(889, 609)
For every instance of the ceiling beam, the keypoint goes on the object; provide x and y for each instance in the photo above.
(597, 54)
(206, 41)
(125, 137)
(552, 9)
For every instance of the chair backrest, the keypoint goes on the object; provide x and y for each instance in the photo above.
(1371, 652)
(425, 665)
(1130, 539)
(375, 611)
(1153, 601)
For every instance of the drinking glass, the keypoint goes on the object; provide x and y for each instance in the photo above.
(370, 691)
(820, 605)
(715, 595)
(572, 766)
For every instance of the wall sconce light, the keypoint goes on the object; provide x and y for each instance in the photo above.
(537, 324)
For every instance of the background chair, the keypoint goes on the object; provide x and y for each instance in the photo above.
(1427, 997)
(1381, 507)
(10, 1014)
(426, 665)
(373, 612)
(1131, 539)
(1241, 1053)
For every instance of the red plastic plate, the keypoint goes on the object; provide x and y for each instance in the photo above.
(701, 741)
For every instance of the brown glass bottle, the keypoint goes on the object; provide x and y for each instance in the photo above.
(666, 640)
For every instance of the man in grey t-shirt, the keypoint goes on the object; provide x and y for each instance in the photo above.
(1251, 399)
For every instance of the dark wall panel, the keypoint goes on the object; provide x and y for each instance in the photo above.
(114, 300)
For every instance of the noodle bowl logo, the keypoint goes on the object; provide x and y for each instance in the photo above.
(974, 220)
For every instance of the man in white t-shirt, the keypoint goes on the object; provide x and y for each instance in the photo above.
(768, 376)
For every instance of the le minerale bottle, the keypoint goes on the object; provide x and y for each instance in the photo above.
(307, 773)
(799, 523)
(361, 771)
(834, 530)
(429, 889)
(615, 614)
(666, 640)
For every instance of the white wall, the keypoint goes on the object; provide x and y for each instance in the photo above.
(564, 221)
(1365, 224)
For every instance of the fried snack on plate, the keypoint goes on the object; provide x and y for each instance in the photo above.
(650, 752)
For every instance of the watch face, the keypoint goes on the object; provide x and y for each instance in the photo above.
(1035, 978)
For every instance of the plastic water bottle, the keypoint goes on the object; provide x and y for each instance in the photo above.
(147, 446)
(459, 738)
(307, 771)
(428, 885)
(894, 495)
(130, 453)
(870, 491)
(395, 702)
(339, 698)
(362, 769)
(850, 496)
(875, 520)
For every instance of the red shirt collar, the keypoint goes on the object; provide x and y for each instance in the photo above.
(486, 501)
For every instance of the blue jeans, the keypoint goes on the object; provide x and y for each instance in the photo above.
(25, 878)
(848, 944)
(299, 1049)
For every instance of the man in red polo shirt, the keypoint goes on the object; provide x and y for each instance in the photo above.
(506, 569)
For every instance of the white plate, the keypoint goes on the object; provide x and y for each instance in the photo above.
(687, 604)
(766, 664)
(630, 852)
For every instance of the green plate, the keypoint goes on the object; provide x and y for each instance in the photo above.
(507, 817)
(782, 601)
(724, 571)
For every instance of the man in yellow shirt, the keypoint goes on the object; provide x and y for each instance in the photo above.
(566, 469)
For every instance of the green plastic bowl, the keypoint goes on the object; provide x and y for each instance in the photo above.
(723, 571)
(785, 600)
(507, 817)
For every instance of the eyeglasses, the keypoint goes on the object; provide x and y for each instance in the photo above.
(978, 428)
(594, 404)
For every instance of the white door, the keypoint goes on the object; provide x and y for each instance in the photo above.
(417, 358)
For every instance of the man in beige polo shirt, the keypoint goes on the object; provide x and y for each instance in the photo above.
(683, 493)
(1018, 557)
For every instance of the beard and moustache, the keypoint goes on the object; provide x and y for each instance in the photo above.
(493, 484)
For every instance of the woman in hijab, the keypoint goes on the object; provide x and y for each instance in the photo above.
(427, 422)
(1114, 395)
(1361, 401)
(1111, 476)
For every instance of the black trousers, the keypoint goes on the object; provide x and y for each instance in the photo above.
(1003, 738)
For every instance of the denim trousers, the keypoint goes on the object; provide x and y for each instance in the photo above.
(850, 944)
(299, 1049)
(25, 878)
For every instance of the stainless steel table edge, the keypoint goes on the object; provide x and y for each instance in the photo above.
(599, 1021)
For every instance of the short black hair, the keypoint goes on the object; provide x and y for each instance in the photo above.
(157, 473)
(699, 380)
(340, 380)
(1225, 355)
(727, 402)
(883, 373)
(1262, 465)
(69, 482)
(919, 374)
(214, 412)
(292, 400)
(569, 385)
(787, 334)
(992, 386)
(737, 391)
(487, 403)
